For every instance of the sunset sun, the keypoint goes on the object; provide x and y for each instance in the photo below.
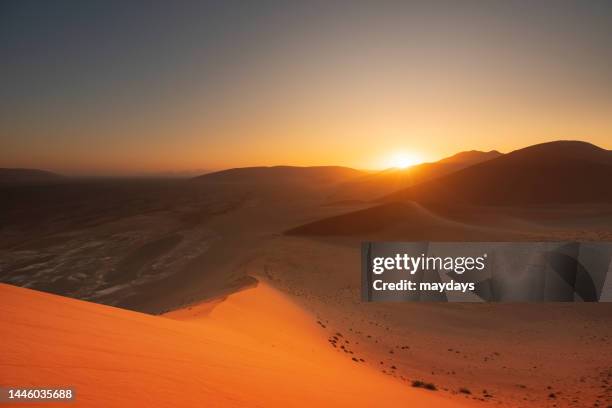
(403, 160)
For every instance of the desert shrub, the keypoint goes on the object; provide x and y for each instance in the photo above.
(423, 384)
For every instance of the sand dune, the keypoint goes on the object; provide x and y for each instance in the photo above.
(375, 219)
(517, 354)
(156, 245)
(413, 221)
(557, 172)
(256, 348)
(146, 244)
(557, 190)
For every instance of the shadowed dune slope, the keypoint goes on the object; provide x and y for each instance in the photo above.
(371, 219)
(397, 220)
(256, 348)
(559, 172)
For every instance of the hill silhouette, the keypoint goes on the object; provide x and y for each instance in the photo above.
(18, 176)
(282, 174)
(391, 180)
(470, 157)
(560, 172)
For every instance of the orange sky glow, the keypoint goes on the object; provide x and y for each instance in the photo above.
(310, 84)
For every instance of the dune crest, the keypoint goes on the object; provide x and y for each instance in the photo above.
(256, 348)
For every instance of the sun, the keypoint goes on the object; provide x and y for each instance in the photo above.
(403, 160)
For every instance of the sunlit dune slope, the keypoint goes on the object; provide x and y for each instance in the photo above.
(254, 349)
(549, 173)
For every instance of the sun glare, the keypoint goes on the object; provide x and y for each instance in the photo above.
(403, 160)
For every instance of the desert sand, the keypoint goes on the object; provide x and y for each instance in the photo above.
(156, 246)
(255, 348)
(519, 355)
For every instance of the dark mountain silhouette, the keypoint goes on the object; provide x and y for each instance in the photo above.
(391, 180)
(471, 157)
(490, 200)
(19, 176)
(282, 174)
(559, 172)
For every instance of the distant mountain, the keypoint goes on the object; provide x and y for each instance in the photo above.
(375, 185)
(471, 157)
(282, 174)
(561, 173)
(558, 172)
(19, 176)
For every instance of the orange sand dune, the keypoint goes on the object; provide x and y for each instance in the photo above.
(254, 349)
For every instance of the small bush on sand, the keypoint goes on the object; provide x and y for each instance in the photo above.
(423, 384)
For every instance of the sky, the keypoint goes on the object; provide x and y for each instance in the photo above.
(128, 87)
